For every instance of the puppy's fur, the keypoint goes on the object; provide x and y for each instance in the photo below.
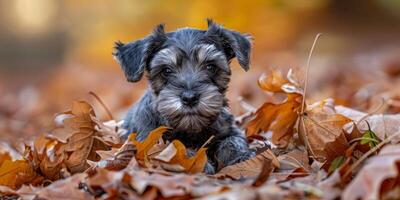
(188, 71)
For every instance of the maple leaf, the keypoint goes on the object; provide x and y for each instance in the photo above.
(321, 129)
(278, 118)
(144, 146)
(378, 176)
(176, 153)
(16, 173)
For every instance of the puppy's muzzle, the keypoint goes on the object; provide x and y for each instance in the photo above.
(189, 98)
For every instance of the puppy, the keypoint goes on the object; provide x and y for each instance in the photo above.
(188, 72)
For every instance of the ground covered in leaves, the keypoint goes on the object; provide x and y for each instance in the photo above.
(317, 150)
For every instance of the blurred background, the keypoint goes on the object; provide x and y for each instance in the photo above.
(54, 52)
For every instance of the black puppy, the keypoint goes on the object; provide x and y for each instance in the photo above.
(188, 71)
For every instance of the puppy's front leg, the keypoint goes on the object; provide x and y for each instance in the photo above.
(232, 150)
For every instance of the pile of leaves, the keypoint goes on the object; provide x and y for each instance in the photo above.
(318, 150)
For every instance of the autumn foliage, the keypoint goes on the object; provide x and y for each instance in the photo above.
(319, 151)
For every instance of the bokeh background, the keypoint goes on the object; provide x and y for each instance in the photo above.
(54, 52)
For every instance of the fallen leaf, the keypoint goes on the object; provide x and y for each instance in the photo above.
(278, 118)
(120, 159)
(383, 125)
(144, 146)
(16, 173)
(321, 129)
(248, 168)
(264, 174)
(176, 154)
(65, 189)
(378, 176)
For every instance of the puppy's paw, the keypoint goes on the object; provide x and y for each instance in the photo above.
(209, 168)
(242, 157)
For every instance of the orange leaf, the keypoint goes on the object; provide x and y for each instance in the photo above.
(144, 146)
(279, 118)
(16, 173)
(273, 82)
(176, 153)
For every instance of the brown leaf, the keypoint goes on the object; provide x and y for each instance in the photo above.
(279, 118)
(176, 154)
(321, 129)
(16, 173)
(264, 174)
(294, 159)
(378, 176)
(121, 158)
(383, 125)
(86, 138)
(144, 146)
(48, 156)
(65, 189)
(248, 168)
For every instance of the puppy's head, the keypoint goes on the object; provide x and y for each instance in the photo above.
(188, 71)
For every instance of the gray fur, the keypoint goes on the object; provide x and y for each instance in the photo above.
(188, 72)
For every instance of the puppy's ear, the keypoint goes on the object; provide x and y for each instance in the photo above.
(135, 56)
(234, 43)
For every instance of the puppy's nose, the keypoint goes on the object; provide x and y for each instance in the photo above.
(189, 98)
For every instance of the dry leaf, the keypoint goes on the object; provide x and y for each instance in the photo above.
(378, 176)
(384, 125)
(65, 189)
(121, 158)
(84, 137)
(278, 118)
(294, 159)
(144, 146)
(16, 173)
(176, 154)
(321, 129)
(248, 168)
(264, 174)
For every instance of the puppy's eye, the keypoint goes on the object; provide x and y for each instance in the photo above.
(166, 72)
(211, 68)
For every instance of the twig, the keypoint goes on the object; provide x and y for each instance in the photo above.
(373, 112)
(102, 104)
(371, 151)
(208, 141)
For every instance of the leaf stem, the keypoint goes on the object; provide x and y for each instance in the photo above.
(103, 105)
(308, 69)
